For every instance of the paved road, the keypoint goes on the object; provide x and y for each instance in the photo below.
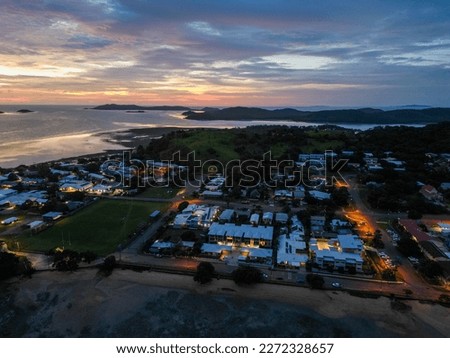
(412, 280)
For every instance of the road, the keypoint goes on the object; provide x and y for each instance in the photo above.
(410, 277)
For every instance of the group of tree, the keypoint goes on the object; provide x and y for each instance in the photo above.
(315, 281)
(13, 265)
(205, 272)
(68, 260)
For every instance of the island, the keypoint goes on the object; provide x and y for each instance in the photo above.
(363, 115)
(133, 107)
(24, 111)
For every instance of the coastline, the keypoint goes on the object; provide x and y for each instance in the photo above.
(151, 304)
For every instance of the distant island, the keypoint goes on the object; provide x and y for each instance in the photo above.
(24, 111)
(363, 115)
(133, 107)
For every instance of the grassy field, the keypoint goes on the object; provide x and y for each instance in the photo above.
(159, 192)
(99, 228)
(211, 144)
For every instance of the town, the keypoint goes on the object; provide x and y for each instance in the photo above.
(340, 230)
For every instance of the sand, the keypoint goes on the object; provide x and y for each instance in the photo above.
(150, 304)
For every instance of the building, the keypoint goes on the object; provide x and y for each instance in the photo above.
(281, 218)
(226, 216)
(215, 250)
(196, 216)
(241, 235)
(431, 193)
(319, 195)
(416, 233)
(267, 218)
(255, 256)
(254, 219)
(52, 216)
(343, 253)
(76, 185)
(292, 251)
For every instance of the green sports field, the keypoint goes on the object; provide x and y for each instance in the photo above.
(100, 227)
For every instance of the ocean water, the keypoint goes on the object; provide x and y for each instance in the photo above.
(53, 132)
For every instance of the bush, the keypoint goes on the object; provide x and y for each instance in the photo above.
(315, 281)
(183, 205)
(247, 275)
(205, 272)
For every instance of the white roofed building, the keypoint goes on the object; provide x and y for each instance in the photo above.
(241, 235)
(342, 253)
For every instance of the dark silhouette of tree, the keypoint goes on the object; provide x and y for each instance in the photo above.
(247, 275)
(183, 205)
(315, 281)
(205, 273)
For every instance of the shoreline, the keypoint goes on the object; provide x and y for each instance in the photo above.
(154, 304)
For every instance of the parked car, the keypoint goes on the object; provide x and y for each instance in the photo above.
(336, 285)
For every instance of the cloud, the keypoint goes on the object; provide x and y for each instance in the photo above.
(213, 51)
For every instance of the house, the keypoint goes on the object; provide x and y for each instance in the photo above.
(196, 216)
(343, 253)
(317, 225)
(52, 216)
(430, 193)
(282, 194)
(267, 218)
(337, 224)
(445, 186)
(37, 226)
(215, 250)
(9, 221)
(416, 233)
(209, 194)
(254, 219)
(159, 247)
(291, 251)
(241, 235)
(319, 195)
(226, 216)
(255, 256)
(281, 218)
(76, 185)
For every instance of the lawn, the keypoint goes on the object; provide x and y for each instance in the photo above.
(211, 144)
(159, 192)
(100, 227)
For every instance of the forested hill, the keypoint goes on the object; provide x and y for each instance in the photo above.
(364, 115)
(133, 107)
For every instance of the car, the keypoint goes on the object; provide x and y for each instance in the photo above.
(265, 276)
(336, 285)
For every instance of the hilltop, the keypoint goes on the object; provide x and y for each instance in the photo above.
(363, 115)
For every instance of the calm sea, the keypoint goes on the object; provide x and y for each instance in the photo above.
(53, 132)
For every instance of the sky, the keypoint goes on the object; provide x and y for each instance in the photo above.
(225, 53)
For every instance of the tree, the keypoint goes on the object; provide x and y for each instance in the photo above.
(188, 235)
(183, 205)
(247, 275)
(109, 263)
(431, 269)
(205, 273)
(315, 281)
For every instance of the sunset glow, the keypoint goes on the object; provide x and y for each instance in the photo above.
(270, 53)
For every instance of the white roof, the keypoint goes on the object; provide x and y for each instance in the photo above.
(319, 194)
(337, 255)
(257, 252)
(287, 251)
(241, 231)
(215, 248)
(34, 224)
(350, 242)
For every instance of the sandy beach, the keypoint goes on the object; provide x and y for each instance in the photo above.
(150, 304)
